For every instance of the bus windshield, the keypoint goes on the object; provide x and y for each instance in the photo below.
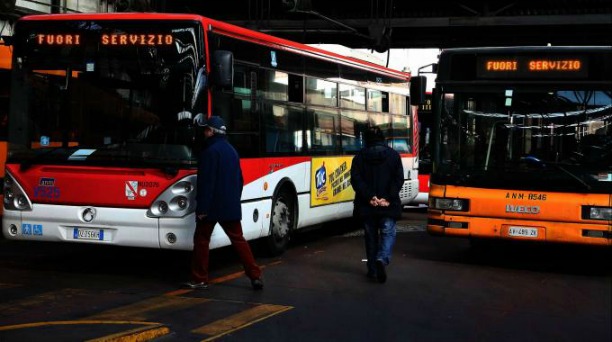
(105, 92)
(553, 138)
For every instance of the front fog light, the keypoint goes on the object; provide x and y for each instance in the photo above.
(171, 238)
(8, 195)
(13, 229)
(22, 202)
(162, 207)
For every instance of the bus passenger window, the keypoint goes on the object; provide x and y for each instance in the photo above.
(320, 92)
(354, 124)
(283, 132)
(378, 101)
(352, 97)
(324, 134)
(274, 85)
(397, 104)
(296, 88)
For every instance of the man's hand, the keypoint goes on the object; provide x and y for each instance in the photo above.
(378, 202)
(374, 201)
(383, 202)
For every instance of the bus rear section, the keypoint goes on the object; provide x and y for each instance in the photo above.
(523, 145)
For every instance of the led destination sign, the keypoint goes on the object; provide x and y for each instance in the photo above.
(532, 67)
(64, 39)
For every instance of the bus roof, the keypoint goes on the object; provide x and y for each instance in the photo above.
(233, 31)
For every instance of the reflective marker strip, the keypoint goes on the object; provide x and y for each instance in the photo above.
(139, 334)
(240, 320)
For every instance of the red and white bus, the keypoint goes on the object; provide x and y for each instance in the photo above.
(102, 146)
(425, 119)
(5, 71)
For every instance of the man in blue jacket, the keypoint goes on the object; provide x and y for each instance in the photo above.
(377, 177)
(218, 201)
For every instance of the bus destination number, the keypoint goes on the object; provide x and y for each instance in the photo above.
(523, 232)
(528, 196)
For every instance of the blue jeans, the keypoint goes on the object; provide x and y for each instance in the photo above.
(379, 240)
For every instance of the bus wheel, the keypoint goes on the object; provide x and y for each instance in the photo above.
(281, 223)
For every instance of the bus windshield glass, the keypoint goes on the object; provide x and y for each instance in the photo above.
(105, 92)
(527, 138)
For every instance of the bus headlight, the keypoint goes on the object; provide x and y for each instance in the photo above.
(597, 213)
(8, 195)
(454, 204)
(22, 202)
(162, 207)
(178, 200)
(179, 203)
(14, 196)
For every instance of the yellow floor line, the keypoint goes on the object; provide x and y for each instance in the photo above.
(136, 335)
(240, 320)
(140, 310)
(50, 323)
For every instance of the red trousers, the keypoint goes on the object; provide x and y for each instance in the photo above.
(201, 241)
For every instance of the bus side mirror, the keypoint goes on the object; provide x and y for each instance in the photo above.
(418, 85)
(6, 40)
(222, 69)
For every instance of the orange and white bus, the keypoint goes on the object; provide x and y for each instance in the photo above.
(523, 144)
(102, 146)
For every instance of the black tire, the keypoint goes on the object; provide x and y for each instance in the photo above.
(282, 222)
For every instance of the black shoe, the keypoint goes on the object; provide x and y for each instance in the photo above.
(196, 286)
(381, 274)
(257, 284)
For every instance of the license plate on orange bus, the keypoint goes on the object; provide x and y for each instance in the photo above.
(88, 234)
(523, 232)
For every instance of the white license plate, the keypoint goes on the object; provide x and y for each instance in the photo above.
(523, 232)
(88, 234)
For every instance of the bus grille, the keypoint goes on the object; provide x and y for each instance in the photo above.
(406, 191)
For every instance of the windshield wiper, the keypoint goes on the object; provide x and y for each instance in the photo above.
(25, 165)
(574, 176)
(540, 163)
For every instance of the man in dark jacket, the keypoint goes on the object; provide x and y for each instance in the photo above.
(218, 201)
(377, 177)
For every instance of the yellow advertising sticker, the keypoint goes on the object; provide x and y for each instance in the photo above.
(330, 178)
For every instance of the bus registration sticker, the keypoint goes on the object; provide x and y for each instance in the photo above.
(88, 234)
(523, 232)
